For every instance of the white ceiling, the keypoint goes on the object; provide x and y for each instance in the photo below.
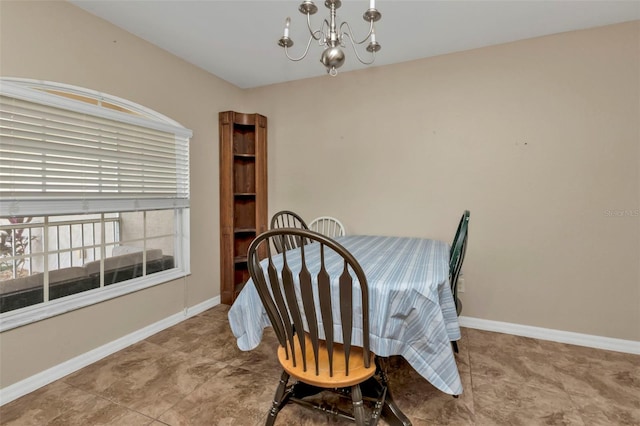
(237, 40)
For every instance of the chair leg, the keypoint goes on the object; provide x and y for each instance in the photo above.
(391, 413)
(358, 406)
(277, 399)
(455, 346)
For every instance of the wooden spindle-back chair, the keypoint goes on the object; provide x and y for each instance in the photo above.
(329, 226)
(456, 257)
(309, 294)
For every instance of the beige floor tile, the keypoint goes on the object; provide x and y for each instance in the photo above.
(520, 360)
(499, 402)
(194, 374)
(61, 404)
(145, 377)
(234, 396)
(202, 336)
(419, 399)
(606, 391)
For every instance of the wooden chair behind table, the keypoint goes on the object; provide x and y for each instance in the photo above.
(329, 226)
(309, 352)
(456, 257)
(287, 219)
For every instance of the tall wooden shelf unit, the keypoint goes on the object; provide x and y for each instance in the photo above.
(243, 195)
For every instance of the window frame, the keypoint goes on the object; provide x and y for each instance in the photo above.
(112, 108)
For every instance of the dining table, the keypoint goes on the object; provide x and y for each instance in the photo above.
(412, 312)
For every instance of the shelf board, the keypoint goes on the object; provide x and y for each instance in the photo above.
(240, 259)
(244, 194)
(237, 155)
(244, 231)
(237, 288)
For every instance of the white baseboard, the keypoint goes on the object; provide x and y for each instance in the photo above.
(599, 342)
(201, 307)
(52, 374)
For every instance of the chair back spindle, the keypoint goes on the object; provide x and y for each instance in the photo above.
(287, 219)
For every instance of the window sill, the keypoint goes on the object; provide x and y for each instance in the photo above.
(42, 311)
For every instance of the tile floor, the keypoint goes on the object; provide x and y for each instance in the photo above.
(194, 374)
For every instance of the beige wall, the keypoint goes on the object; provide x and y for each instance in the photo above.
(56, 41)
(537, 138)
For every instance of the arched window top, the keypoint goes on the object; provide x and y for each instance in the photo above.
(89, 101)
(68, 150)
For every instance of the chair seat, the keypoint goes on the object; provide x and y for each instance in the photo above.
(357, 372)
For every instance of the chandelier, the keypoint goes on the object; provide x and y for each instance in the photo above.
(332, 36)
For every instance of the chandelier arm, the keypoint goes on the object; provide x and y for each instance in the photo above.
(323, 30)
(350, 32)
(353, 45)
(311, 31)
(286, 51)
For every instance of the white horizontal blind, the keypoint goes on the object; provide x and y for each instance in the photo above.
(59, 160)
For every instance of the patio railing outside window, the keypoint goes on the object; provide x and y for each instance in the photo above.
(50, 257)
(71, 242)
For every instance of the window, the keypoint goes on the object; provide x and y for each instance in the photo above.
(94, 197)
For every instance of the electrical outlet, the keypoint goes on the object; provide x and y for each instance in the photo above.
(461, 285)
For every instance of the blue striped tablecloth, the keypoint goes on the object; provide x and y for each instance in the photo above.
(411, 309)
